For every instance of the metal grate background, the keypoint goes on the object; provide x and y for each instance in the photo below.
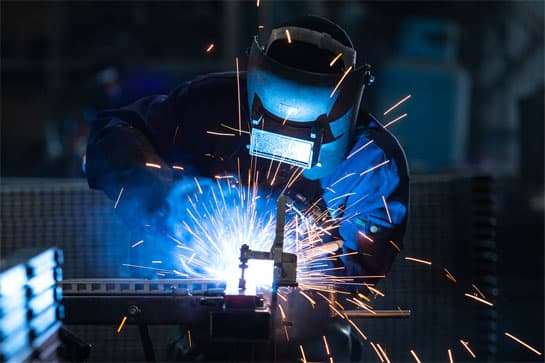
(451, 223)
(67, 214)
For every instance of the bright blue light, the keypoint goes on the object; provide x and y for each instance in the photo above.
(214, 224)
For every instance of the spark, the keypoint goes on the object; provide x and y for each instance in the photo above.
(360, 148)
(364, 297)
(152, 165)
(336, 311)
(526, 345)
(222, 216)
(395, 245)
(288, 114)
(275, 173)
(189, 338)
(450, 356)
(234, 129)
(176, 272)
(137, 243)
(415, 356)
(377, 352)
(179, 244)
(219, 133)
(398, 103)
(261, 27)
(418, 260)
(366, 307)
(219, 223)
(486, 302)
(145, 267)
(157, 261)
(362, 305)
(395, 120)
(121, 325)
(238, 99)
(345, 254)
(177, 167)
(330, 359)
(312, 302)
(449, 275)
(286, 333)
(288, 36)
(219, 177)
(118, 198)
(373, 290)
(466, 345)
(375, 167)
(304, 358)
(340, 81)
(478, 291)
(175, 134)
(365, 236)
(198, 184)
(257, 4)
(341, 196)
(387, 210)
(356, 328)
(383, 353)
(315, 203)
(339, 305)
(191, 258)
(335, 59)
(285, 299)
(326, 345)
(282, 312)
(295, 176)
(210, 47)
(342, 178)
(356, 202)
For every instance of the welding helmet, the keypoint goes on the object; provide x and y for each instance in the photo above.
(304, 94)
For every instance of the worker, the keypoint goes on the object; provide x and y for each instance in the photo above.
(299, 103)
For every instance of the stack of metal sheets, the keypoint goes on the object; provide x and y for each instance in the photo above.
(30, 305)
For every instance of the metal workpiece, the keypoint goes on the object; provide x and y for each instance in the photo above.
(172, 301)
(109, 287)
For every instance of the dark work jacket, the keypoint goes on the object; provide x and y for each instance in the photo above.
(369, 191)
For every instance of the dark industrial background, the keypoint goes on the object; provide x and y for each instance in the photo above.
(62, 61)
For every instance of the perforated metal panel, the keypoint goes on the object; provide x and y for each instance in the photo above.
(444, 229)
(67, 214)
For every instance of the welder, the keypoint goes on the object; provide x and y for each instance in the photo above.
(298, 103)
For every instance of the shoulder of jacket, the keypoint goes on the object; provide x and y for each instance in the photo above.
(372, 129)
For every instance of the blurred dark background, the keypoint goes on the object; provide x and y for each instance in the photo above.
(475, 71)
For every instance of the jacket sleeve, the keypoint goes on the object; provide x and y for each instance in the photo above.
(123, 141)
(372, 198)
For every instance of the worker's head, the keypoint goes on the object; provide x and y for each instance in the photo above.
(304, 94)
